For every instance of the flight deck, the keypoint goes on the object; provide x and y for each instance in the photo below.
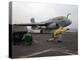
(41, 48)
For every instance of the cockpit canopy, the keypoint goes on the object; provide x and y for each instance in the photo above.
(59, 18)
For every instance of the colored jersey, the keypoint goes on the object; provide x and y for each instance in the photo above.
(58, 32)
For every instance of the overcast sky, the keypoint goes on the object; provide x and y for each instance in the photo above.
(22, 12)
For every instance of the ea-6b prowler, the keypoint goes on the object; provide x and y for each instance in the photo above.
(50, 24)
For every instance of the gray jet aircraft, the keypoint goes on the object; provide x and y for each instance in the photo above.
(50, 24)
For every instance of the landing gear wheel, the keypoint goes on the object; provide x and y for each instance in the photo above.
(59, 41)
(41, 31)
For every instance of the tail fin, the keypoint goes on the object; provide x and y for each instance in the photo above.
(33, 21)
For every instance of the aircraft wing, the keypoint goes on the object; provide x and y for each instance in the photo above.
(32, 24)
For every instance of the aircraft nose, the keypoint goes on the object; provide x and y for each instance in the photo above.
(65, 23)
(68, 22)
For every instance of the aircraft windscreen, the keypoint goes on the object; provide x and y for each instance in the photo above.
(59, 18)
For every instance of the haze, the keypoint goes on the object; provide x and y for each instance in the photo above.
(22, 12)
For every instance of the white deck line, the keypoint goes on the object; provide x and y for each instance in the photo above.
(47, 50)
(33, 54)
